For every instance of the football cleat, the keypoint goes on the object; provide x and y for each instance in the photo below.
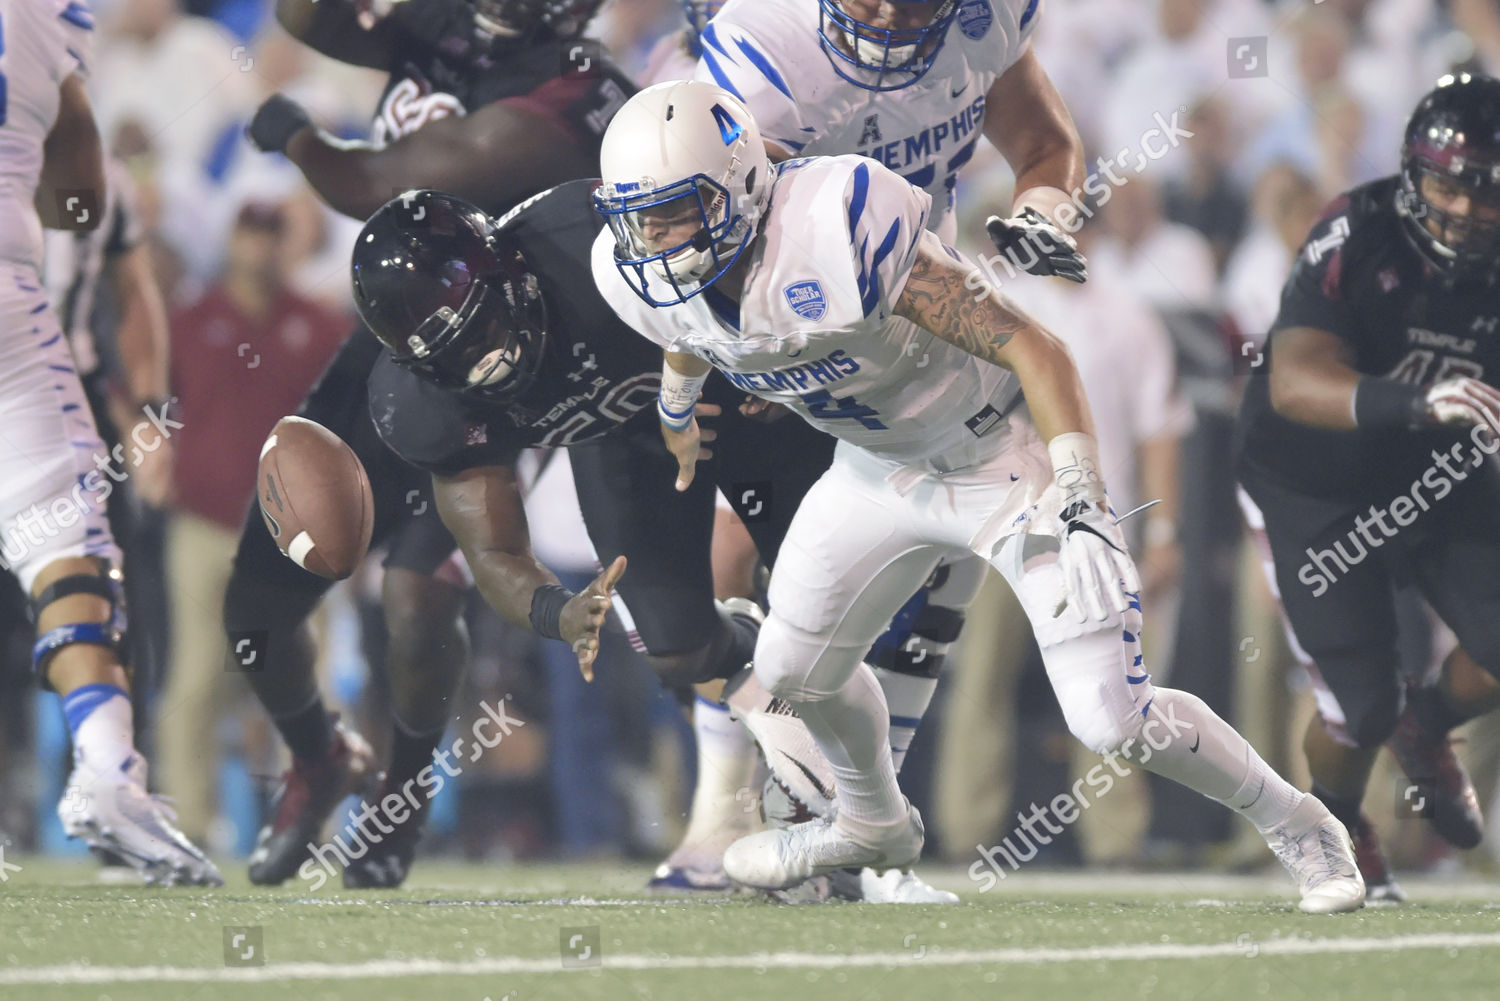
(670, 878)
(112, 813)
(1428, 760)
(894, 886)
(310, 791)
(1380, 883)
(388, 857)
(1316, 850)
(777, 859)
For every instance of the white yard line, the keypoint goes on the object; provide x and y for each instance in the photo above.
(381, 969)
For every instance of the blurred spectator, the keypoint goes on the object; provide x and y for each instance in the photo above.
(1206, 196)
(1285, 205)
(243, 355)
(1169, 265)
(183, 79)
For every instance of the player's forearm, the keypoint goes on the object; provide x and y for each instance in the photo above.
(142, 334)
(348, 175)
(1028, 122)
(1313, 385)
(509, 582)
(72, 160)
(1049, 379)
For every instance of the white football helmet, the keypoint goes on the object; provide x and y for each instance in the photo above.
(686, 178)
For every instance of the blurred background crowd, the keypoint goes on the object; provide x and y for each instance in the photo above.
(1277, 107)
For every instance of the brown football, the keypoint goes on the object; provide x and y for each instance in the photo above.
(315, 498)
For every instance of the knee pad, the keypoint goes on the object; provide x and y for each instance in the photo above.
(109, 634)
(798, 666)
(920, 633)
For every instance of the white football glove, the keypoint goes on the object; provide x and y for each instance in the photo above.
(1464, 401)
(1096, 566)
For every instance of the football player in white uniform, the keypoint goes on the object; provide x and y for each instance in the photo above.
(55, 473)
(907, 83)
(814, 284)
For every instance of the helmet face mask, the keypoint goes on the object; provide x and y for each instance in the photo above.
(528, 20)
(884, 57)
(685, 181)
(1449, 195)
(684, 233)
(448, 300)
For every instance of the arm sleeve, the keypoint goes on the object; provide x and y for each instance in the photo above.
(742, 64)
(1314, 295)
(885, 218)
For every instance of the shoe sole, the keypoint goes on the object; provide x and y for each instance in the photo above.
(156, 871)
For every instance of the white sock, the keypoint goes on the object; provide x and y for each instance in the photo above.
(1206, 754)
(105, 739)
(908, 697)
(852, 728)
(726, 797)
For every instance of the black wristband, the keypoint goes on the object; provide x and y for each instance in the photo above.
(547, 604)
(275, 122)
(1387, 404)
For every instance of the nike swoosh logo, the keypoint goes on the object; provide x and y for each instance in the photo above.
(823, 790)
(955, 95)
(1196, 742)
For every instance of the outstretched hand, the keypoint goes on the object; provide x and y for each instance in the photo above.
(584, 614)
(687, 445)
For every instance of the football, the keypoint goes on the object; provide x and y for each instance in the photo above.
(315, 498)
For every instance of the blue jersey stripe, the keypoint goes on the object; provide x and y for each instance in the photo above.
(760, 62)
(857, 203)
(1029, 13)
(963, 156)
(922, 178)
(78, 14)
(720, 77)
(711, 36)
(888, 244)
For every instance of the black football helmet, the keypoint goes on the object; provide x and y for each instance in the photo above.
(1453, 144)
(449, 296)
(531, 20)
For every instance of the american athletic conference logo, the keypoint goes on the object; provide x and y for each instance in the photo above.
(807, 299)
(975, 18)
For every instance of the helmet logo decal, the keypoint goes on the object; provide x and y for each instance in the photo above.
(729, 129)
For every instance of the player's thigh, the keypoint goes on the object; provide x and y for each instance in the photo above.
(763, 469)
(1340, 608)
(1457, 566)
(851, 558)
(56, 476)
(631, 508)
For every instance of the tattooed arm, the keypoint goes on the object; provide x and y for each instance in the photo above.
(952, 300)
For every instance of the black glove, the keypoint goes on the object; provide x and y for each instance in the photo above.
(275, 122)
(1032, 243)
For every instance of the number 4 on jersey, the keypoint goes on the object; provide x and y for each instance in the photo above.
(827, 407)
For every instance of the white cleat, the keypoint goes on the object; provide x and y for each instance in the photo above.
(1316, 850)
(776, 859)
(896, 887)
(111, 810)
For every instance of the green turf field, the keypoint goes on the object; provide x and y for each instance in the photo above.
(560, 933)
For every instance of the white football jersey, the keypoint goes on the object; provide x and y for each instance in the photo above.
(815, 328)
(42, 42)
(768, 53)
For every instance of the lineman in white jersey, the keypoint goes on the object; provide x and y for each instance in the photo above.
(815, 285)
(54, 472)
